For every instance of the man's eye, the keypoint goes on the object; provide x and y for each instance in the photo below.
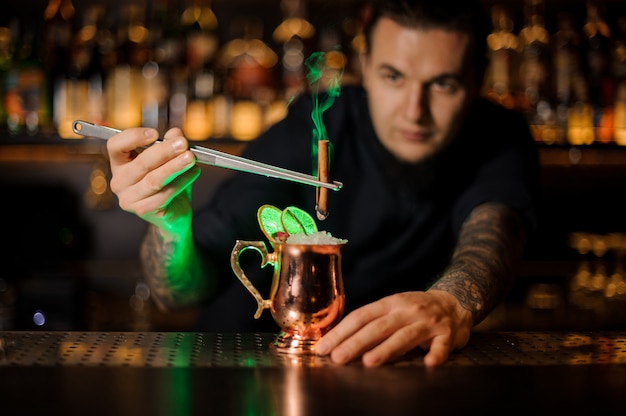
(446, 84)
(392, 76)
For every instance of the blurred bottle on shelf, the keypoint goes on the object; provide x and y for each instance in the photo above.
(567, 70)
(536, 98)
(293, 33)
(26, 100)
(597, 36)
(248, 61)
(248, 64)
(168, 53)
(199, 117)
(619, 72)
(162, 63)
(78, 90)
(199, 26)
(620, 114)
(125, 80)
(154, 95)
(59, 29)
(580, 129)
(178, 96)
(58, 49)
(156, 67)
(11, 99)
(6, 57)
(618, 50)
(330, 43)
(503, 44)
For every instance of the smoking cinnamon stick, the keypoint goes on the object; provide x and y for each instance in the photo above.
(321, 200)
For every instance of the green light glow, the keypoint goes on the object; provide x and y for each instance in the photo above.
(177, 392)
(183, 266)
(321, 77)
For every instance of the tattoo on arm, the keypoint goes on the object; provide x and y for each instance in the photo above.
(170, 271)
(481, 271)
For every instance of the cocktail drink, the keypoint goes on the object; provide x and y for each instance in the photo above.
(306, 297)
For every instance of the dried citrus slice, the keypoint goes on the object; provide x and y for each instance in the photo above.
(270, 221)
(298, 221)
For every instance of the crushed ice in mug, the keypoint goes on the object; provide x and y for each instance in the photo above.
(318, 237)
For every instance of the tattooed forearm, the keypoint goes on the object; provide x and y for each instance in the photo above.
(171, 271)
(482, 267)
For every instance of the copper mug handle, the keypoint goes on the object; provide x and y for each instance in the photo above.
(266, 258)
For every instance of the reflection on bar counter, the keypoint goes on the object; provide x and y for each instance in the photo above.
(218, 71)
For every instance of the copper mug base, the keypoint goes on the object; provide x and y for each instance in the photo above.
(294, 343)
(306, 296)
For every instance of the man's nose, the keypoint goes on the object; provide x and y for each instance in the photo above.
(416, 102)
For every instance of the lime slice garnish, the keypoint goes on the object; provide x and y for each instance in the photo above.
(270, 221)
(298, 221)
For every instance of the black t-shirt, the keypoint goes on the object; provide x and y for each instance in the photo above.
(401, 220)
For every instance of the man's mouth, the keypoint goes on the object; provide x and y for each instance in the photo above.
(414, 135)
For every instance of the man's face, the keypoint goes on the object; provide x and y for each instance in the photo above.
(419, 84)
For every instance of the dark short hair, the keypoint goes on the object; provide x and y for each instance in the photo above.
(467, 16)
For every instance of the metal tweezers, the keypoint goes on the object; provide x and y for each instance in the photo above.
(217, 158)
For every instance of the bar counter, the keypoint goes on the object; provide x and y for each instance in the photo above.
(180, 373)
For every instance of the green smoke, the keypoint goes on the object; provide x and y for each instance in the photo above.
(325, 86)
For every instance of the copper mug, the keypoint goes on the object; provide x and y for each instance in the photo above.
(306, 296)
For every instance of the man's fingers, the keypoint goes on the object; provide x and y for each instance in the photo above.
(391, 327)
(349, 326)
(122, 145)
(400, 342)
(156, 201)
(172, 133)
(438, 352)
